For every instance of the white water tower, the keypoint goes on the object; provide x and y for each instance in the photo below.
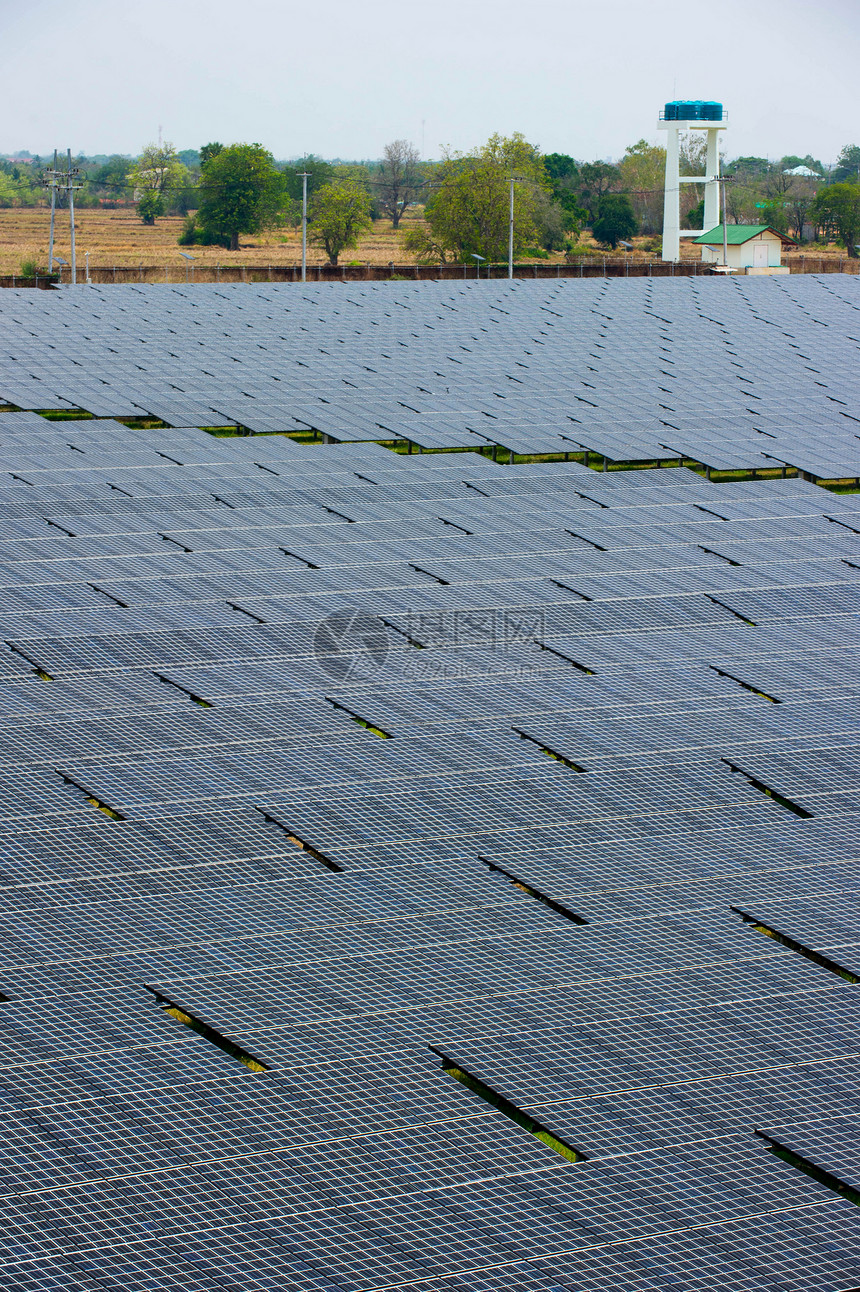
(678, 116)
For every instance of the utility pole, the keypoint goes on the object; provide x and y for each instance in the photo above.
(725, 226)
(62, 179)
(722, 181)
(71, 189)
(304, 225)
(53, 209)
(511, 234)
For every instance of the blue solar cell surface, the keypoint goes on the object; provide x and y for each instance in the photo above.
(422, 868)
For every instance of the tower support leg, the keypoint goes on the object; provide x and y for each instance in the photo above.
(671, 202)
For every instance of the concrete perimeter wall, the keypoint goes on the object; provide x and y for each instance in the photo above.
(592, 267)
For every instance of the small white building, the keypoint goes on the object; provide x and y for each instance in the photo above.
(752, 248)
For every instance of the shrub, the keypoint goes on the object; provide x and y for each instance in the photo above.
(616, 221)
(150, 206)
(193, 236)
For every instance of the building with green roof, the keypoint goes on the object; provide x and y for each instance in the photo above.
(752, 248)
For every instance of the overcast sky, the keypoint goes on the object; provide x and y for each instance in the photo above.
(343, 78)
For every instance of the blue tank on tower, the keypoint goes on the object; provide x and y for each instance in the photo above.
(693, 110)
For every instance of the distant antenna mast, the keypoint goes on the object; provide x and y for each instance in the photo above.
(159, 136)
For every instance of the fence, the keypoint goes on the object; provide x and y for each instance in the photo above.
(587, 267)
(802, 262)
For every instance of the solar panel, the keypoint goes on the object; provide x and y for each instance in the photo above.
(460, 850)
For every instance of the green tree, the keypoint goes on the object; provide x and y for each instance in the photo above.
(617, 219)
(837, 210)
(773, 213)
(563, 175)
(158, 169)
(553, 221)
(150, 206)
(848, 164)
(693, 161)
(792, 161)
(399, 179)
(240, 192)
(741, 198)
(468, 211)
(111, 179)
(642, 170)
(338, 214)
(693, 153)
(8, 191)
(595, 181)
(18, 186)
(193, 236)
(208, 151)
(695, 217)
(799, 204)
(778, 185)
(319, 172)
(748, 167)
(560, 168)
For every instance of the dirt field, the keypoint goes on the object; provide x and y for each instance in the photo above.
(118, 238)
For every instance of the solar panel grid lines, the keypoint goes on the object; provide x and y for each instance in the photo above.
(635, 902)
(337, 747)
(433, 1206)
(827, 1144)
(266, 1017)
(788, 355)
(88, 958)
(819, 925)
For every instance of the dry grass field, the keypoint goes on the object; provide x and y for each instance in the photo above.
(117, 238)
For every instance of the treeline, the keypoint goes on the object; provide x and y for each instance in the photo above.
(783, 194)
(225, 192)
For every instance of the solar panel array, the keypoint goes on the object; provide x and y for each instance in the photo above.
(739, 375)
(389, 841)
